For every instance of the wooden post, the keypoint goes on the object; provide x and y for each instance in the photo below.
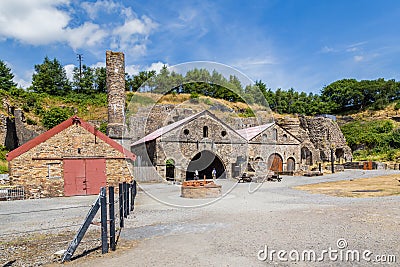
(121, 205)
(103, 203)
(112, 217)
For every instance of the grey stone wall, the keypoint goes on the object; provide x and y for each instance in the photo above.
(325, 134)
(115, 65)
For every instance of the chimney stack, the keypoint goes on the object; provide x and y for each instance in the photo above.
(115, 69)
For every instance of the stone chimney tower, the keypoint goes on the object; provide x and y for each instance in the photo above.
(115, 67)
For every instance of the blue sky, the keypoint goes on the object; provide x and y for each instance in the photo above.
(287, 44)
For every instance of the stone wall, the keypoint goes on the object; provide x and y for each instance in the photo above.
(14, 131)
(184, 142)
(115, 65)
(263, 146)
(32, 168)
(325, 134)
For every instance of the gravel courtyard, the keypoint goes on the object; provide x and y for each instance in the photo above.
(237, 229)
(172, 231)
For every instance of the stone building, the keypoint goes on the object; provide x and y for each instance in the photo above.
(203, 141)
(73, 158)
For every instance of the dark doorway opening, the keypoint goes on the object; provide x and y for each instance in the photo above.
(306, 156)
(170, 169)
(204, 162)
(339, 153)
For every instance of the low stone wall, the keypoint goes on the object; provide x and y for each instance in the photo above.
(207, 191)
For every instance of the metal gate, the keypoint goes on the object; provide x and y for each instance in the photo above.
(84, 176)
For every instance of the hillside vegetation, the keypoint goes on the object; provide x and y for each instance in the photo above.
(364, 108)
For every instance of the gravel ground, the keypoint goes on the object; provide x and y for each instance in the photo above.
(232, 231)
(172, 231)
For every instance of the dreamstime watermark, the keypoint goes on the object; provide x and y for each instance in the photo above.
(340, 253)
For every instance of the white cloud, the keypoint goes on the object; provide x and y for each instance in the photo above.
(88, 34)
(132, 69)
(358, 58)
(327, 49)
(99, 64)
(157, 66)
(43, 22)
(132, 36)
(69, 69)
(33, 22)
(93, 9)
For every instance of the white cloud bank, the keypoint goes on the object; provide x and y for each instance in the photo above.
(43, 22)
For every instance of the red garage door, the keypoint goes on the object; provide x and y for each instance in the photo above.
(84, 176)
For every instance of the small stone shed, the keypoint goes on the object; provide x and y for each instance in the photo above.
(73, 158)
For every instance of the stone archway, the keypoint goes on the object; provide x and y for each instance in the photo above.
(275, 162)
(290, 164)
(204, 162)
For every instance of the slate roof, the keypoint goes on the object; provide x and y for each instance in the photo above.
(157, 133)
(251, 132)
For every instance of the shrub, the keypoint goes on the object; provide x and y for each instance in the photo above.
(3, 152)
(397, 106)
(30, 121)
(56, 116)
(103, 127)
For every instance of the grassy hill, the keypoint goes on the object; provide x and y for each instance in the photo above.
(373, 135)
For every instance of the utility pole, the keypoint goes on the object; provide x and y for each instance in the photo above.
(80, 71)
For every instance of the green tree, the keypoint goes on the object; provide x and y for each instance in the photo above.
(84, 81)
(134, 82)
(6, 77)
(50, 77)
(100, 80)
(55, 116)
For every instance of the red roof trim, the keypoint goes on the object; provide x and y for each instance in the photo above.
(62, 126)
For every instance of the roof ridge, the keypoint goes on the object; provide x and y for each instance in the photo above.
(62, 126)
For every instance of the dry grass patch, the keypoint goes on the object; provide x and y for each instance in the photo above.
(379, 186)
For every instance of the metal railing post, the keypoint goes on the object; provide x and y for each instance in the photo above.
(112, 217)
(103, 204)
(121, 205)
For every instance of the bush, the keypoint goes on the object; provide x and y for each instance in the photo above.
(56, 116)
(30, 121)
(103, 127)
(397, 106)
(3, 152)
(3, 167)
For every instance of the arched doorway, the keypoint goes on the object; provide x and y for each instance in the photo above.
(204, 162)
(170, 169)
(290, 165)
(339, 153)
(306, 156)
(275, 162)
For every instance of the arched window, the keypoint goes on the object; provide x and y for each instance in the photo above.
(205, 131)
